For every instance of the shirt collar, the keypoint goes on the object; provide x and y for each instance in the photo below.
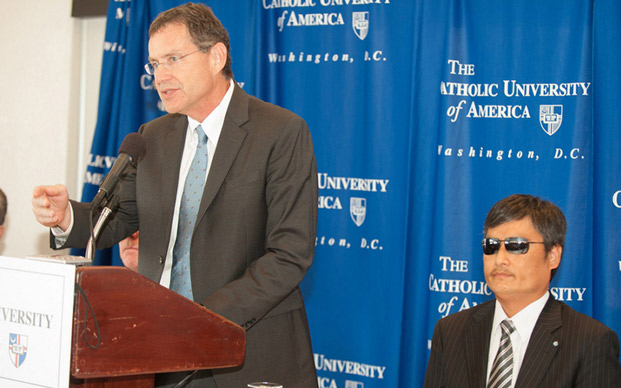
(525, 320)
(212, 125)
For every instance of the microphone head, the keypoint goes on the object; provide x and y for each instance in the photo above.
(133, 145)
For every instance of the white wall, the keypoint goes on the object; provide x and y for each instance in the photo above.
(49, 79)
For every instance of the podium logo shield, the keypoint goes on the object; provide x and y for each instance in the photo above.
(18, 348)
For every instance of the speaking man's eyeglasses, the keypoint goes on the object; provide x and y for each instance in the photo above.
(514, 245)
(171, 62)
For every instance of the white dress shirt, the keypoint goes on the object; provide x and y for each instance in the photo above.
(524, 323)
(212, 126)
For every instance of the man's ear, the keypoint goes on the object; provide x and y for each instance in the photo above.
(219, 56)
(554, 256)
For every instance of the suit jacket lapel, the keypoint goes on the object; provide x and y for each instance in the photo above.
(477, 337)
(229, 143)
(171, 163)
(541, 349)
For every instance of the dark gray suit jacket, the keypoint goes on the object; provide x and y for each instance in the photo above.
(254, 237)
(586, 353)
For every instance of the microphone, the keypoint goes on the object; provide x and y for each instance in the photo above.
(131, 150)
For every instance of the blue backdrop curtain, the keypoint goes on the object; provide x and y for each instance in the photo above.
(423, 115)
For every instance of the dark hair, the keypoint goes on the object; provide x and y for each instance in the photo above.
(546, 217)
(3, 206)
(203, 26)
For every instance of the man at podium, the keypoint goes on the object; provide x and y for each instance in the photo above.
(225, 197)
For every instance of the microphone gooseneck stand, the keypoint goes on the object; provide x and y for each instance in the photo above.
(95, 231)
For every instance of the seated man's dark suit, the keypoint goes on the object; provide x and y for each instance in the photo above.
(566, 349)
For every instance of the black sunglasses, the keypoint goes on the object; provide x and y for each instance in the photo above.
(514, 245)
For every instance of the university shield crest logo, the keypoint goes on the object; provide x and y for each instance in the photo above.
(550, 118)
(357, 209)
(360, 24)
(18, 348)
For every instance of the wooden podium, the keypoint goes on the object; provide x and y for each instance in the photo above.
(127, 328)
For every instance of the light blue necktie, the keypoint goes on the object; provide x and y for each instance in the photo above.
(181, 281)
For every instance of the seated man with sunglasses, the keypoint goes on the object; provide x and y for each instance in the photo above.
(523, 338)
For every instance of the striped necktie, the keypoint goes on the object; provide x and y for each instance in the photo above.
(502, 369)
(181, 281)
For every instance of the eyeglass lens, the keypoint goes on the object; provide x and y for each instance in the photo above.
(516, 245)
